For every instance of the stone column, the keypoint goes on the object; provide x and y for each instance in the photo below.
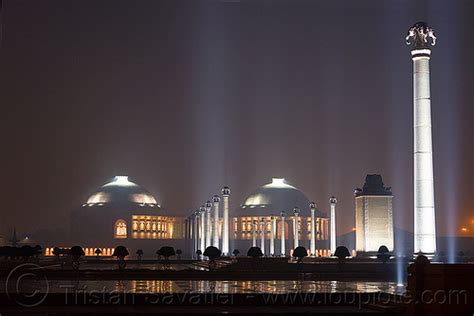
(254, 233)
(208, 206)
(332, 222)
(215, 238)
(202, 212)
(420, 36)
(282, 237)
(296, 227)
(262, 235)
(225, 221)
(195, 233)
(272, 236)
(312, 244)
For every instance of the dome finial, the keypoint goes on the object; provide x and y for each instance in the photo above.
(121, 180)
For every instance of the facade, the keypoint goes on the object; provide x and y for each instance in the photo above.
(373, 215)
(269, 218)
(277, 217)
(123, 213)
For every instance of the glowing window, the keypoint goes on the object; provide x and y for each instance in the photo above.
(120, 229)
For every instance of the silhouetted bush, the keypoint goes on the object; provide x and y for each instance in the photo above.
(76, 252)
(254, 252)
(121, 252)
(198, 253)
(299, 253)
(166, 252)
(421, 260)
(98, 252)
(25, 252)
(139, 254)
(383, 254)
(212, 253)
(342, 253)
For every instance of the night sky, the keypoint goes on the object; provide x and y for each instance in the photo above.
(187, 96)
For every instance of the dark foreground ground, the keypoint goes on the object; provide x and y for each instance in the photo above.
(247, 288)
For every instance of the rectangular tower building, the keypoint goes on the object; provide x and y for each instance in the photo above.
(373, 215)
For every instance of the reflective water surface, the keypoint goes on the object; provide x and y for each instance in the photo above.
(205, 286)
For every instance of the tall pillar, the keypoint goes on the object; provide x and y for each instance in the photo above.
(215, 236)
(195, 233)
(202, 212)
(208, 206)
(312, 244)
(225, 220)
(254, 233)
(282, 237)
(296, 227)
(420, 36)
(262, 235)
(332, 222)
(272, 236)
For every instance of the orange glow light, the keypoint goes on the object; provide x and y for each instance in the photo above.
(464, 229)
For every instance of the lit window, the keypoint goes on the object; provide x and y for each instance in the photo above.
(120, 229)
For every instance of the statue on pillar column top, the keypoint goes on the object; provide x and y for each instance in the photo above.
(420, 36)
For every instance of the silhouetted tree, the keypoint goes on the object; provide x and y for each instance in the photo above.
(76, 252)
(121, 252)
(212, 253)
(139, 254)
(27, 252)
(383, 254)
(342, 253)
(98, 252)
(299, 253)
(254, 252)
(166, 252)
(158, 256)
(179, 252)
(57, 252)
(38, 250)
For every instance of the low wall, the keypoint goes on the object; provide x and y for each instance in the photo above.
(440, 289)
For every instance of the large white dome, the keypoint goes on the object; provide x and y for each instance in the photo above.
(274, 197)
(120, 190)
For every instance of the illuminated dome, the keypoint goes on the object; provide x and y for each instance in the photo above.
(119, 191)
(274, 197)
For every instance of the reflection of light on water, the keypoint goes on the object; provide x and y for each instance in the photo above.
(153, 286)
(400, 269)
(228, 287)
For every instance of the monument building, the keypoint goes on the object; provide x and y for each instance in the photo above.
(373, 215)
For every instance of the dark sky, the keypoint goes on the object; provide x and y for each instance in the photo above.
(188, 96)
